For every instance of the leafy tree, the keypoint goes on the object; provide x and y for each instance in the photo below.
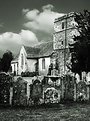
(0, 65)
(6, 61)
(80, 49)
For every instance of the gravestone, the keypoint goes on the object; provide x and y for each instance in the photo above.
(51, 95)
(20, 92)
(81, 91)
(68, 82)
(36, 91)
(5, 84)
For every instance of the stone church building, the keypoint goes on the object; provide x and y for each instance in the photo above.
(65, 29)
(45, 54)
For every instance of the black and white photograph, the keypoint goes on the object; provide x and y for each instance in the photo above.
(44, 60)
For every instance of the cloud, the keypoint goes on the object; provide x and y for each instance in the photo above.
(13, 41)
(32, 15)
(24, 11)
(41, 21)
(28, 37)
(48, 7)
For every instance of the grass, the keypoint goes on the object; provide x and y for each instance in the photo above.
(74, 112)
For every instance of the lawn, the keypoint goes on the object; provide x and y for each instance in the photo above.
(74, 112)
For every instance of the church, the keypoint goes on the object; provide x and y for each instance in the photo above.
(32, 58)
(41, 56)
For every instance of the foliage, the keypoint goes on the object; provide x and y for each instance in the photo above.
(5, 61)
(29, 74)
(81, 47)
(0, 64)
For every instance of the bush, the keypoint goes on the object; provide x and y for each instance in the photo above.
(29, 74)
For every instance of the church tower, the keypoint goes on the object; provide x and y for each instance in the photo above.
(64, 31)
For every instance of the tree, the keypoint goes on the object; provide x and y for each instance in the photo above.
(6, 61)
(0, 65)
(80, 50)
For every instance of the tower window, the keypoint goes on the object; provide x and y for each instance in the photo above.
(62, 42)
(43, 63)
(63, 25)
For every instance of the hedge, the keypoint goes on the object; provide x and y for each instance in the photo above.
(29, 74)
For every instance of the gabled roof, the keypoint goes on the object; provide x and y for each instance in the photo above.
(32, 52)
(46, 49)
(41, 50)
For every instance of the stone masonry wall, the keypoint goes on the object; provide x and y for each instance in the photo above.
(61, 38)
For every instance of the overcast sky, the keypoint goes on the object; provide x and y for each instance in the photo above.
(28, 22)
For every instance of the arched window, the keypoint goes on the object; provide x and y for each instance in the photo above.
(43, 63)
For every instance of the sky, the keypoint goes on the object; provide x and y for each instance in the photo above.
(30, 22)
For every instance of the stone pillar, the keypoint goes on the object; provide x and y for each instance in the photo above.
(11, 95)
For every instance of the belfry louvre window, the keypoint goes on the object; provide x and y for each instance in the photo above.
(43, 63)
(63, 25)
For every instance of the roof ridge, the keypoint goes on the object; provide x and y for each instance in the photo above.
(32, 47)
(36, 46)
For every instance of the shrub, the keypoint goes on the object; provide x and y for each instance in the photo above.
(29, 74)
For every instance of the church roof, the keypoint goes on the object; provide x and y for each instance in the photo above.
(32, 52)
(41, 50)
(46, 49)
